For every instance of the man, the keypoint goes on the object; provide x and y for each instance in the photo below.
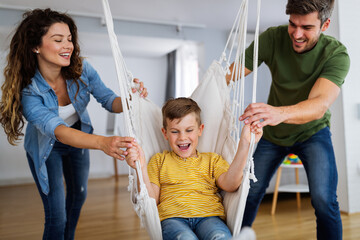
(308, 69)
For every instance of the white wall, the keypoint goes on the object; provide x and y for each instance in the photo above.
(152, 71)
(337, 128)
(348, 34)
(13, 164)
(345, 125)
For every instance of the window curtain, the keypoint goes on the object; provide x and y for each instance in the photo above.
(171, 76)
(187, 70)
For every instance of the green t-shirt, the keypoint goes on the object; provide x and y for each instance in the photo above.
(293, 76)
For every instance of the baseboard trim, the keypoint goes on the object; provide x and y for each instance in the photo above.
(16, 181)
(30, 180)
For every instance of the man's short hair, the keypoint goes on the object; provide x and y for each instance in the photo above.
(178, 108)
(303, 7)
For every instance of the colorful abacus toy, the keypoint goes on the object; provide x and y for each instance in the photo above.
(292, 159)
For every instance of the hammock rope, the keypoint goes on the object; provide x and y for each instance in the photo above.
(141, 201)
(255, 72)
(238, 32)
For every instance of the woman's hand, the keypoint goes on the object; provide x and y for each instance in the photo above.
(142, 90)
(112, 146)
(117, 105)
(135, 153)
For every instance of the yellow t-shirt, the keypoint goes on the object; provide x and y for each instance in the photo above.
(188, 186)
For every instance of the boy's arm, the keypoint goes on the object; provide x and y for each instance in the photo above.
(153, 189)
(136, 153)
(231, 180)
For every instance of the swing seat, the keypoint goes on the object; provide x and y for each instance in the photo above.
(213, 97)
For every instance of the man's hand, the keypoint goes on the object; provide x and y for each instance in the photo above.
(261, 114)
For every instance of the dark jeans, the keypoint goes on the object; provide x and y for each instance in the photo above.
(62, 213)
(318, 158)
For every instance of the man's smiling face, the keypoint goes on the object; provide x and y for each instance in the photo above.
(305, 30)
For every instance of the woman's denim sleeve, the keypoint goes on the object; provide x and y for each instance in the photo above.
(44, 118)
(102, 94)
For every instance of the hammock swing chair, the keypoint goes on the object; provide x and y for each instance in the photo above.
(220, 112)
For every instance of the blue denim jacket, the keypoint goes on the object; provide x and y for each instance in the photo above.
(40, 109)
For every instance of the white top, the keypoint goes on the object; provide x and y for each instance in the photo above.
(68, 114)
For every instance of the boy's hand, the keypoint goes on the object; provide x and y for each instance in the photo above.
(258, 131)
(135, 153)
(248, 129)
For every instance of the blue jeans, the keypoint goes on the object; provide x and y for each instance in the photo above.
(209, 228)
(62, 214)
(317, 156)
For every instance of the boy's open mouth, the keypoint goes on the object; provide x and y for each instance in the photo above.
(184, 147)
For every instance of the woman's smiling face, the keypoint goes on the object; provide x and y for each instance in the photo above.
(56, 46)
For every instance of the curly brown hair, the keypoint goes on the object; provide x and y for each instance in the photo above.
(22, 64)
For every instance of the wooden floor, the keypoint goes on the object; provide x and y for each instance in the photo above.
(108, 215)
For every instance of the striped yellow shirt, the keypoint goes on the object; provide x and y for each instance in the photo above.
(188, 186)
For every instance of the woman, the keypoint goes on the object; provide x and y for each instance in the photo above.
(48, 83)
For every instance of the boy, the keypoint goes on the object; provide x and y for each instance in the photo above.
(184, 182)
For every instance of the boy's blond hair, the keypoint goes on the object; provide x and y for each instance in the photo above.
(178, 108)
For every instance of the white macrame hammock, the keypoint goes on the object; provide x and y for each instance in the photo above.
(220, 113)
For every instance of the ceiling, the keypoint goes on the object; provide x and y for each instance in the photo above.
(216, 14)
